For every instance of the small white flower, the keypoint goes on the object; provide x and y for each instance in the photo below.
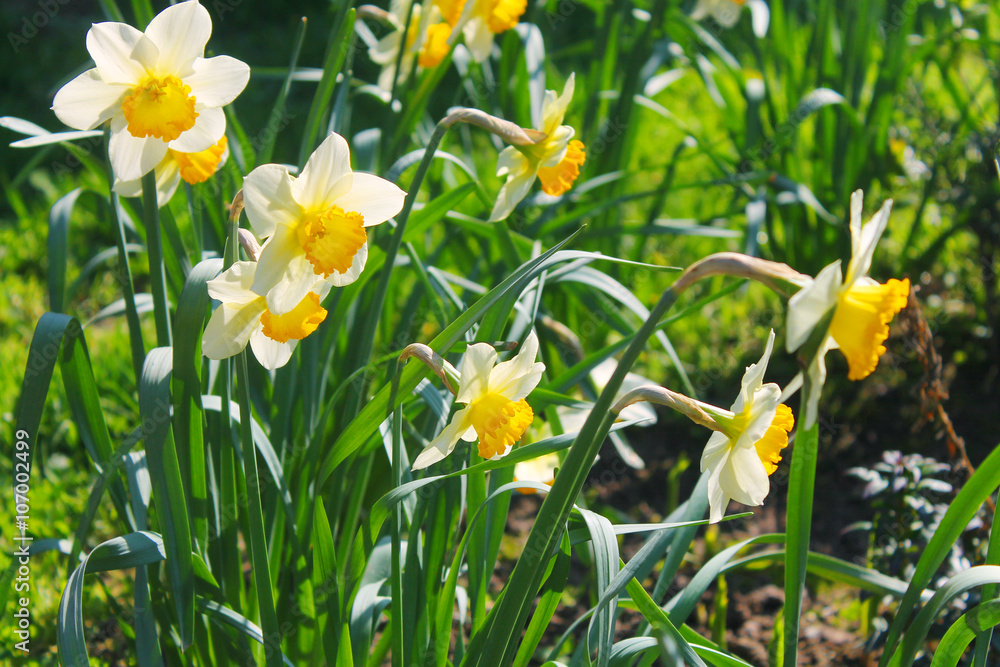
(746, 451)
(496, 413)
(155, 87)
(556, 160)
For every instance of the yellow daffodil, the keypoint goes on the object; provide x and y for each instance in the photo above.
(863, 307)
(746, 450)
(243, 317)
(426, 40)
(725, 12)
(555, 160)
(496, 413)
(316, 222)
(191, 167)
(155, 87)
(480, 20)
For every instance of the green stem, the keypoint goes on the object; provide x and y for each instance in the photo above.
(801, 481)
(157, 271)
(125, 274)
(398, 648)
(258, 541)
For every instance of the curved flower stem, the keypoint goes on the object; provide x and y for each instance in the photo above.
(396, 581)
(798, 520)
(124, 273)
(157, 271)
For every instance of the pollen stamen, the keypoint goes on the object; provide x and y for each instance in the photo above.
(331, 239)
(161, 107)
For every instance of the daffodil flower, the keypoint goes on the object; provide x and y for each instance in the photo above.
(155, 87)
(480, 20)
(426, 40)
(862, 307)
(541, 469)
(725, 12)
(496, 413)
(191, 167)
(555, 160)
(243, 317)
(316, 222)
(747, 448)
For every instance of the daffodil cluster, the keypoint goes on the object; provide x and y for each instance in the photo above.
(315, 230)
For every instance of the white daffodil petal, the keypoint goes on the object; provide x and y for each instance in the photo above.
(744, 477)
(715, 451)
(511, 161)
(284, 274)
(376, 199)
(555, 146)
(753, 378)
(325, 178)
(270, 353)
(718, 499)
(861, 259)
(444, 444)
(808, 306)
(477, 364)
(357, 266)
(554, 110)
(516, 378)
(478, 39)
(229, 329)
(132, 157)
(180, 32)
(232, 286)
(267, 196)
(111, 45)
(87, 101)
(208, 128)
(512, 192)
(762, 411)
(215, 82)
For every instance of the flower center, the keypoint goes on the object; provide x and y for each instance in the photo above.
(775, 438)
(159, 107)
(435, 45)
(861, 323)
(503, 14)
(198, 167)
(558, 179)
(331, 239)
(499, 423)
(297, 323)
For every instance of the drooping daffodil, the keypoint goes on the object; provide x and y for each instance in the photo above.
(745, 452)
(315, 222)
(496, 413)
(243, 316)
(555, 160)
(862, 307)
(155, 87)
(175, 166)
